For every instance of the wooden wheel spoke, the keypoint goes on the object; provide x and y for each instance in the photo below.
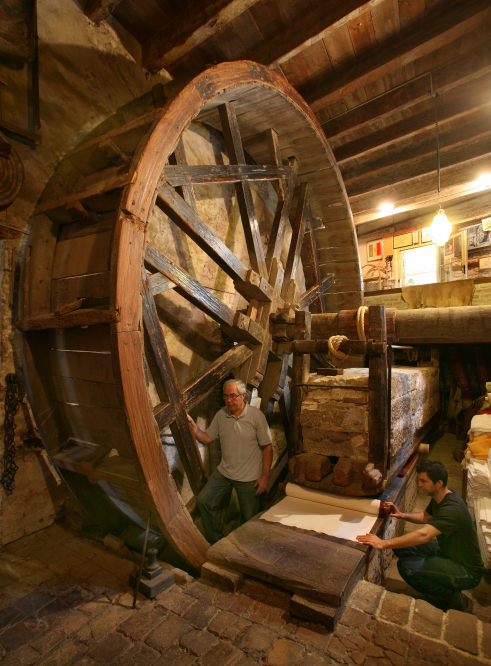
(198, 388)
(314, 292)
(230, 128)
(288, 289)
(313, 255)
(247, 283)
(183, 437)
(184, 175)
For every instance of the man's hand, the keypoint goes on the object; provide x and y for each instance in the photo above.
(192, 425)
(394, 511)
(262, 484)
(372, 540)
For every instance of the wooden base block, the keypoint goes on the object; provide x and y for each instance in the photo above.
(314, 611)
(231, 580)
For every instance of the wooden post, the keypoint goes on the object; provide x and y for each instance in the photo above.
(300, 375)
(377, 386)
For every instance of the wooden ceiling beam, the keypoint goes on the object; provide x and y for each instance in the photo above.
(472, 65)
(311, 28)
(436, 29)
(449, 139)
(457, 181)
(457, 213)
(181, 35)
(468, 102)
(460, 155)
(98, 10)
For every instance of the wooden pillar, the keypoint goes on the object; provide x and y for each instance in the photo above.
(378, 436)
(300, 375)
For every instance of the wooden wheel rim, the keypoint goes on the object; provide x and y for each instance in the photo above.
(128, 252)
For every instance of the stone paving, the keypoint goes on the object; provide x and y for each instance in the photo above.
(64, 600)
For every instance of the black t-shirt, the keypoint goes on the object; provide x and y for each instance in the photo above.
(458, 539)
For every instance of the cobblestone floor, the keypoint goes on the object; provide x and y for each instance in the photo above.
(64, 600)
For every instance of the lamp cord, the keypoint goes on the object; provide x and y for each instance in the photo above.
(435, 95)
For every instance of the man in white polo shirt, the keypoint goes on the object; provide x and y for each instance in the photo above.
(247, 453)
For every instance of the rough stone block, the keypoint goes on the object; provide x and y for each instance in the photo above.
(426, 651)
(168, 632)
(108, 620)
(285, 653)
(343, 472)
(175, 600)
(257, 639)
(200, 615)
(427, 619)
(461, 631)
(314, 611)
(141, 623)
(222, 654)
(231, 580)
(175, 656)
(396, 608)
(391, 637)
(110, 648)
(139, 655)
(198, 642)
(366, 597)
(221, 622)
(486, 639)
(23, 633)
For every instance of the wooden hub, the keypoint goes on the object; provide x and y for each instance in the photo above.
(101, 373)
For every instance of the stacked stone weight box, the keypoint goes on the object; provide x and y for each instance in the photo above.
(334, 422)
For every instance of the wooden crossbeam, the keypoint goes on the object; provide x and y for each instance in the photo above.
(82, 317)
(179, 159)
(298, 231)
(158, 283)
(470, 101)
(472, 65)
(188, 221)
(189, 287)
(311, 294)
(199, 387)
(433, 31)
(98, 10)
(231, 133)
(183, 437)
(182, 34)
(450, 139)
(216, 173)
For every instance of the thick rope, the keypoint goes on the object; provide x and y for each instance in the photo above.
(360, 322)
(333, 344)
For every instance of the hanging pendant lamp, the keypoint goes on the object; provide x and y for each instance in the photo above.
(440, 229)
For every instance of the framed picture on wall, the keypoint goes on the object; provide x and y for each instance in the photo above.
(416, 237)
(425, 235)
(374, 250)
(404, 240)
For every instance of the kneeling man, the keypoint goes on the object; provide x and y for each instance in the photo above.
(247, 453)
(440, 569)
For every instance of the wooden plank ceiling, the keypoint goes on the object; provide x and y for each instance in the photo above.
(367, 68)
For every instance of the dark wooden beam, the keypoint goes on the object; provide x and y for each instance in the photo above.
(435, 30)
(309, 240)
(182, 34)
(453, 157)
(98, 10)
(202, 175)
(198, 388)
(298, 232)
(187, 192)
(83, 317)
(472, 65)
(448, 140)
(183, 437)
(311, 294)
(471, 100)
(231, 134)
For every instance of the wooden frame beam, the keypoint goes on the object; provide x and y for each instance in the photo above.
(433, 31)
(309, 240)
(298, 232)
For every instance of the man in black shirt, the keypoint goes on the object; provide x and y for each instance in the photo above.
(440, 569)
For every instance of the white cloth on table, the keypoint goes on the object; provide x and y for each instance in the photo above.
(481, 424)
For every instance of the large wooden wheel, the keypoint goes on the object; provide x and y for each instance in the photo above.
(102, 381)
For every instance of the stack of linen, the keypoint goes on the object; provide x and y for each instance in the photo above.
(478, 481)
(482, 511)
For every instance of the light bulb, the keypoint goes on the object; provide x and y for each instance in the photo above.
(484, 180)
(386, 208)
(440, 229)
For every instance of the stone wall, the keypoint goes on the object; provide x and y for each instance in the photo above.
(86, 75)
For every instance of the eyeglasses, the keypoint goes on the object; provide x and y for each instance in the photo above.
(232, 396)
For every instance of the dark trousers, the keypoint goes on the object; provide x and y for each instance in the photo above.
(217, 487)
(438, 579)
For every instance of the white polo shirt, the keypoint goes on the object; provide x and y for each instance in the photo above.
(241, 441)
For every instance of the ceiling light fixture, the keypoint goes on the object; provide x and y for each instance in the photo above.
(484, 181)
(387, 208)
(440, 229)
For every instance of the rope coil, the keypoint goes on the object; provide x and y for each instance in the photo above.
(360, 322)
(335, 341)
